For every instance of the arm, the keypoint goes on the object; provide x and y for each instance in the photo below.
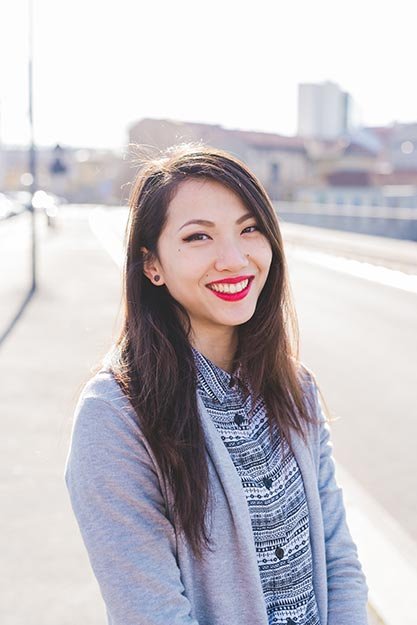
(346, 583)
(120, 510)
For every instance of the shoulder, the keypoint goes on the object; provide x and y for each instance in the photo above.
(314, 406)
(107, 440)
(106, 431)
(305, 375)
(310, 389)
(103, 409)
(102, 385)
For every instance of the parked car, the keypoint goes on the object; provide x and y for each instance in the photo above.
(48, 202)
(21, 199)
(7, 206)
(42, 201)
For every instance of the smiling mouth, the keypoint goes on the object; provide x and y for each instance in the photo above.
(228, 287)
(231, 291)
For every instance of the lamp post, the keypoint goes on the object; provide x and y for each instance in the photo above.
(32, 151)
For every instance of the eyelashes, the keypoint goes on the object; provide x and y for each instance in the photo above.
(195, 237)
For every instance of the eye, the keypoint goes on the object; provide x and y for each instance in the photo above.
(196, 237)
(199, 236)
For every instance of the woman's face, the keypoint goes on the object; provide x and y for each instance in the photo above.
(224, 248)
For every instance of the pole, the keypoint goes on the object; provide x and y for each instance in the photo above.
(32, 151)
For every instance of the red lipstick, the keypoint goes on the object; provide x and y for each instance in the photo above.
(232, 297)
(231, 280)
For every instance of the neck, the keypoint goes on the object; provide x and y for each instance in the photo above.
(220, 348)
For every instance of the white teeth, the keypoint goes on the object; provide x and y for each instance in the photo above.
(229, 288)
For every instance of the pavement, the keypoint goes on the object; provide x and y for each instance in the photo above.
(50, 352)
(63, 332)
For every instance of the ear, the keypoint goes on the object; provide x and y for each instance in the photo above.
(151, 267)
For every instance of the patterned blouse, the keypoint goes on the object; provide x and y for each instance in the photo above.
(274, 492)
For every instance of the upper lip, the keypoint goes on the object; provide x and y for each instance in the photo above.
(231, 280)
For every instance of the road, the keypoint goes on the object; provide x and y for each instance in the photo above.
(360, 338)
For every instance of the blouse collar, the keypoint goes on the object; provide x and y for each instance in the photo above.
(212, 379)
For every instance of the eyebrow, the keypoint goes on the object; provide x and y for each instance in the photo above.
(211, 224)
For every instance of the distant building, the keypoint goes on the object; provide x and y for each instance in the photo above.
(396, 168)
(372, 166)
(90, 175)
(342, 175)
(324, 111)
(402, 146)
(342, 155)
(360, 170)
(281, 163)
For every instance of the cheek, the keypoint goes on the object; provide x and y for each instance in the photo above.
(193, 264)
(184, 276)
(175, 263)
(265, 260)
(262, 254)
(269, 258)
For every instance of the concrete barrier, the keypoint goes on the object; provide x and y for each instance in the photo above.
(397, 223)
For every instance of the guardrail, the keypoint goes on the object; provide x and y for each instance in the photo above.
(397, 223)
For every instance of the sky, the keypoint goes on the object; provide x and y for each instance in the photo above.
(98, 66)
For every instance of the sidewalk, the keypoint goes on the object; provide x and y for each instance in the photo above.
(66, 328)
(63, 332)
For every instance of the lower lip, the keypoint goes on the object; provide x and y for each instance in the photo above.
(232, 297)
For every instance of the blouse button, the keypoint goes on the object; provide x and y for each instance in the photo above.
(279, 552)
(267, 482)
(239, 419)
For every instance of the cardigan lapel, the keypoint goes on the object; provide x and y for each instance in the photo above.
(304, 458)
(226, 471)
(230, 483)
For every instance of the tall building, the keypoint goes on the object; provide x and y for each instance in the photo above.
(324, 111)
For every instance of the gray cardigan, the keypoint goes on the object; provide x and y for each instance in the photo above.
(146, 570)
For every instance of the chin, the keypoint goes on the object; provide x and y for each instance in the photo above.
(238, 320)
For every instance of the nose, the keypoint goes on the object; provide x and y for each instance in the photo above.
(231, 257)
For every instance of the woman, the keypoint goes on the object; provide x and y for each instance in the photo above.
(200, 469)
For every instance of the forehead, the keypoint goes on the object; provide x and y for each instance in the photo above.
(203, 199)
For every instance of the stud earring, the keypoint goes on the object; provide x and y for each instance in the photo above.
(157, 278)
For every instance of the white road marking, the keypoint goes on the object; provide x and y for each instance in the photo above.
(359, 269)
(108, 238)
(387, 553)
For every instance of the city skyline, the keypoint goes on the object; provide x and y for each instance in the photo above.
(98, 69)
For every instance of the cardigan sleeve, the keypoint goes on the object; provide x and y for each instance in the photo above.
(120, 509)
(346, 582)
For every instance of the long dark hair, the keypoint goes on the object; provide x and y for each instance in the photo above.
(154, 363)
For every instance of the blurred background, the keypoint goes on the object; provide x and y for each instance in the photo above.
(319, 100)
